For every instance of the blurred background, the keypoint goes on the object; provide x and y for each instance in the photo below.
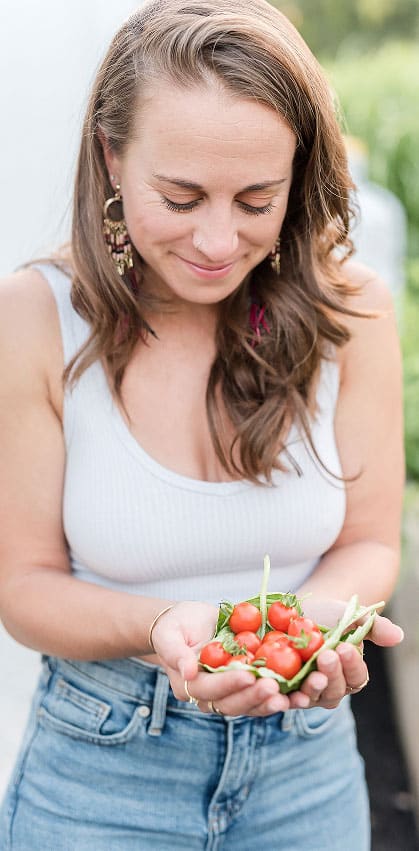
(49, 52)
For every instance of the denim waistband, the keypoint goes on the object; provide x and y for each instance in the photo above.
(149, 684)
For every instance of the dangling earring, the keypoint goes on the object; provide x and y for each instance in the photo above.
(275, 256)
(257, 320)
(116, 236)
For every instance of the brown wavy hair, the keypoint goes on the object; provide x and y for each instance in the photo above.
(257, 54)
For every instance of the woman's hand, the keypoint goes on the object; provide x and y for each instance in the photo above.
(341, 671)
(178, 637)
(181, 632)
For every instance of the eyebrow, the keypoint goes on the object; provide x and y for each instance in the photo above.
(188, 184)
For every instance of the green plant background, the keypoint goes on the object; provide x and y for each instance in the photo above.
(370, 51)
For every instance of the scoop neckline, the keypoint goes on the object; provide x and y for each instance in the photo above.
(165, 473)
(155, 467)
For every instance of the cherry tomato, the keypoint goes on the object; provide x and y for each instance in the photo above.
(283, 660)
(300, 627)
(245, 616)
(301, 624)
(246, 658)
(314, 644)
(248, 639)
(276, 637)
(214, 655)
(280, 615)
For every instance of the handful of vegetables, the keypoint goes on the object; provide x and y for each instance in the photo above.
(270, 636)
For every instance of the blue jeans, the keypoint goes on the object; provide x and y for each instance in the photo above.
(111, 761)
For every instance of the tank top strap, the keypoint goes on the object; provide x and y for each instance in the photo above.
(74, 329)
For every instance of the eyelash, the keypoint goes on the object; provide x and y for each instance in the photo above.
(186, 208)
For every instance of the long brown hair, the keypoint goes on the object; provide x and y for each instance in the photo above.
(256, 53)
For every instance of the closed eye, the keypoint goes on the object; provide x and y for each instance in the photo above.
(180, 208)
(256, 211)
(175, 207)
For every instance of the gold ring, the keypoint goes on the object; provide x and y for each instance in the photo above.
(354, 689)
(213, 708)
(191, 698)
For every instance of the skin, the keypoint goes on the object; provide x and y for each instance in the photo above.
(223, 145)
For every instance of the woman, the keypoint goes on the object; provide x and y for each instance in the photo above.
(231, 387)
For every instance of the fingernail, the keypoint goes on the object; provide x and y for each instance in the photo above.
(329, 665)
(401, 633)
(345, 651)
(182, 669)
(275, 705)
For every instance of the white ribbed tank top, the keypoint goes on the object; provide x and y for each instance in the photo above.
(134, 525)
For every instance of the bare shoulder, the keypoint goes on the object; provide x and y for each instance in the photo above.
(373, 332)
(30, 340)
(371, 293)
(25, 295)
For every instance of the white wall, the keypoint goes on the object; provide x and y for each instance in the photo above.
(48, 54)
(49, 51)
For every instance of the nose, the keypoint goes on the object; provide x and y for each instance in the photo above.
(217, 238)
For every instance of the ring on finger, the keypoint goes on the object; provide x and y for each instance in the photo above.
(192, 699)
(213, 708)
(354, 689)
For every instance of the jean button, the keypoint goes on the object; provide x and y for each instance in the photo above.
(144, 711)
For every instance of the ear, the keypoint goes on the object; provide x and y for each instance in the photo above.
(111, 159)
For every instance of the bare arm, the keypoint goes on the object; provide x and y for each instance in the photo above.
(369, 433)
(41, 604)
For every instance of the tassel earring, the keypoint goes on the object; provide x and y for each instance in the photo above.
(257, 320)
(275, 256)
(116, 235)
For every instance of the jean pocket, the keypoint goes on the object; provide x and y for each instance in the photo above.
(76, 709)
(315, 721)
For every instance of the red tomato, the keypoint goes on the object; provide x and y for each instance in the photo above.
(300, 624)
(275, 637)
(280, 615)
(246, 658)
(305, 627)
(245, 616)
(214, 655)
(283, 660)
(314, 644)
(248, 639)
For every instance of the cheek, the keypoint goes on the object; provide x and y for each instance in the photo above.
(152, 226)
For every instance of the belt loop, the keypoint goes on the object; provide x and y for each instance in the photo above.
(158, 715)
(288, 720)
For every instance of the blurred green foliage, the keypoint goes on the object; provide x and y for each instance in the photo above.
(379, 98)
(332, 28)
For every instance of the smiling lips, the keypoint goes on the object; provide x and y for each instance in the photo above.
(209, 271)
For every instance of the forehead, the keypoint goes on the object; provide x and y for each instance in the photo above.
(206, 129)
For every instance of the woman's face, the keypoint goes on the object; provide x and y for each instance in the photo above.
(205, 185)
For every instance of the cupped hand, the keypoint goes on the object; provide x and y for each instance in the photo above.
(181, 632)
(178, 637)
(341, 671)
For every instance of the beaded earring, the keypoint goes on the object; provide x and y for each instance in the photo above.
(116, 235)
(275, 256)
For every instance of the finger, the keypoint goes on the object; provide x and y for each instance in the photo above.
(385, 633)
(313, 685)
(354, 668)
(300, 700)
(215, 687)
(262, 698)
(328, 663)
